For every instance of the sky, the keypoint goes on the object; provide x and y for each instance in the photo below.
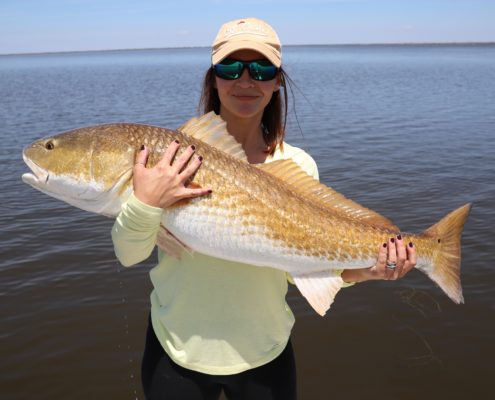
(36, 26)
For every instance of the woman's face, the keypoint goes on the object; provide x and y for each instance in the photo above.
(245, 97)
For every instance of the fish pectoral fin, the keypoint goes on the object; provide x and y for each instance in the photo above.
(212, 129)
(326, 197)
(319, 288)
(170, 245)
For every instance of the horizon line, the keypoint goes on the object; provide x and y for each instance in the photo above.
(287, 45)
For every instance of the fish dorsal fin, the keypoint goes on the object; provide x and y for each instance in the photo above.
(319, 288)
(212, 129)
(291, 173)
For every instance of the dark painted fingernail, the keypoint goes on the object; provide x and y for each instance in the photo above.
(176, 141)
(399, 237)
(142, 147)
(200, 158)
(410, 244)
(210, 191)
(384, 244)
(193, 147)
(392, 240)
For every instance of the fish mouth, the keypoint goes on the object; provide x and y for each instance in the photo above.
(38, 177)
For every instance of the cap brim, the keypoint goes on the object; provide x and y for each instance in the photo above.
(228, 48)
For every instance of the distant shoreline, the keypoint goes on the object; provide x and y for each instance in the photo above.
(285, 46)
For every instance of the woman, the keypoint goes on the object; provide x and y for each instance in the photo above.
(218, 325)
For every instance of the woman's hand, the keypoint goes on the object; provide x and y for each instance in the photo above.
(395, 259)
(165, 183)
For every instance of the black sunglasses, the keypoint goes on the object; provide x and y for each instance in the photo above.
(259, 70)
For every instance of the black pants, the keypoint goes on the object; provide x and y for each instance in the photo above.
(164, 380)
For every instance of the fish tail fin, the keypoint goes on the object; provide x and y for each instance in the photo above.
(445, 269)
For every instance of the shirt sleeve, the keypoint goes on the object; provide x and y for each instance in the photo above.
(134, 231)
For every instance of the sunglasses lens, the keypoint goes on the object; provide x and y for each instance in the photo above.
(262, 70)
(229, 69)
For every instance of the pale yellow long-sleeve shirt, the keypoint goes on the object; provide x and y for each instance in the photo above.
(210, 315)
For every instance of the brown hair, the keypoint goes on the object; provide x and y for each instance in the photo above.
(274, 117)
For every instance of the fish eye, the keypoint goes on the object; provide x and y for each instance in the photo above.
(49, 145)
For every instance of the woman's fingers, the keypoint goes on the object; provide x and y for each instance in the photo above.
(405, 258)
(141, 157)
(382, 259)
(196, 192)
(401, 252)
(391, 259)
(392, 252)
(188, 172)
(411, 255)
(411, 259)
(177, 165)
(181, 161)
(401, 256)
(378, 270)
(395, 259)
(169, 155)
(191, 168)
(169, 180)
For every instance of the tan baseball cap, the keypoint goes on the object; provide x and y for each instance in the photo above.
(247, 33)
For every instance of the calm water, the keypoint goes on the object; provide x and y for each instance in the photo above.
(405, 130)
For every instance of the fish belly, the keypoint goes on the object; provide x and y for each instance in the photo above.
(224, 234)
